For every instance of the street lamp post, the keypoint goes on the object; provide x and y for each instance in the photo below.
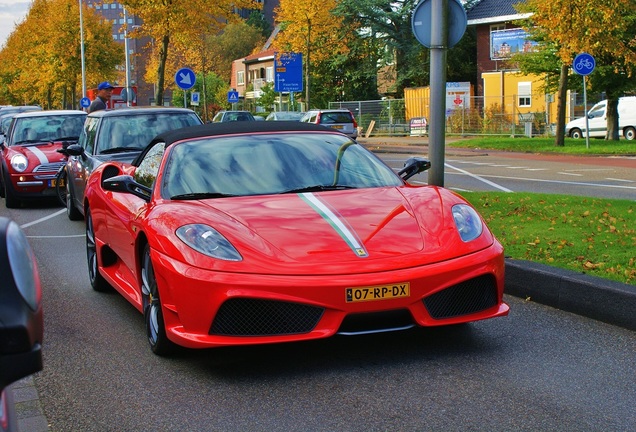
(82, 50)
(128, 89)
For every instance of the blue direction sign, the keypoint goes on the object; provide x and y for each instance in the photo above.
(584, 64)
(232, 96)
(185, 78)
(85, 102)
(288, 72)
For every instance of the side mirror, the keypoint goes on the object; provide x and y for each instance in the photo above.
(126, 184)
(412, 166)
(21, 326)
(74, 150)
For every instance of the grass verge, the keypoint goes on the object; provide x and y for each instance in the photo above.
(590, 235)
(546, 145)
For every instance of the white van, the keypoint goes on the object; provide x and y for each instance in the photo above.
(597, 120)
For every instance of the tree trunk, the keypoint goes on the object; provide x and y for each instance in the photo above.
(161, 69)
(559, 140)
(611, 111)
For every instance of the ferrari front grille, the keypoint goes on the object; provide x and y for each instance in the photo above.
(471, 296)
(257, 317)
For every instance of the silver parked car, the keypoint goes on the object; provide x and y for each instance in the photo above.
(341, 120)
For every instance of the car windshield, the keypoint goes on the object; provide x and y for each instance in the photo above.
(51, 128)
(134, 132)
(271, 164)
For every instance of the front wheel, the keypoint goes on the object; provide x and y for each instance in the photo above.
(71, 211)
(10, 200)
(576, 134)
(153, 315)
(97, 280)
(630, 133)
(60, 185)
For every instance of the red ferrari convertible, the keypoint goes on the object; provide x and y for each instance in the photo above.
(236, 233)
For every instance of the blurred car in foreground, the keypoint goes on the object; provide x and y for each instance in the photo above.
(116, 135)
(341, 120)
(230, 116)
(285, 116)
(30, 157)
(21, 324)
(235, 234)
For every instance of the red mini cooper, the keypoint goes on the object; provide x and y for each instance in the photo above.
(30, 157)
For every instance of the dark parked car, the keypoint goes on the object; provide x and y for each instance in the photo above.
(21, 328)
(116, 135)
(30, 157)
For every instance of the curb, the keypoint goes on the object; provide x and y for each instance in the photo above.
(590, 296)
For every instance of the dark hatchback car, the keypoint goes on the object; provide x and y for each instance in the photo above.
(117, 135)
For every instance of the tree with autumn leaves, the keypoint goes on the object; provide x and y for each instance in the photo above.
(179, 25)
(41, 60)
(605, 29)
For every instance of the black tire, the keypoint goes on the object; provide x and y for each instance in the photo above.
(97, 280)
(10, 200)
(576, 134)
(153, 315)
(60, 191)
(2, 184)
(629, 133)
(71, 211)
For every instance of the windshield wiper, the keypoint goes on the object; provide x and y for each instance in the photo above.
(318, 188)
(31, 142)
(67, 138)
(201, 195)
(120, 150)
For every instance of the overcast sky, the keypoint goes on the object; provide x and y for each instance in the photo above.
(11, 12)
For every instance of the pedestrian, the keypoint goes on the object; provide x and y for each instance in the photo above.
(104, 91)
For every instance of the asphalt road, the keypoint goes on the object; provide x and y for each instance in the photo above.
(537, 369)
(486, 170)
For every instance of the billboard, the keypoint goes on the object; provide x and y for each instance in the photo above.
(505, 43)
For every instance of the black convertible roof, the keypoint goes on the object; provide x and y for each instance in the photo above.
(231, 128)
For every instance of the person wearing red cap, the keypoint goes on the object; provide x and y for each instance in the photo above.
(104, 91)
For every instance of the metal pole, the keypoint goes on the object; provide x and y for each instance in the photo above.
(82, 50)
(587, 120)
(128, 91)
(439, 41)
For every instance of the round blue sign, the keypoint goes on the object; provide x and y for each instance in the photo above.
(584, 64)
(185, 78)
(423, 16)
(85, 102)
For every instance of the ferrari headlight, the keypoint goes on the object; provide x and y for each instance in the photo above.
(19, 163)
(467, 221)
(208, 241)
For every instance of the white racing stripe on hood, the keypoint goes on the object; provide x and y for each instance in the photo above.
(337, 222)
(39, 154)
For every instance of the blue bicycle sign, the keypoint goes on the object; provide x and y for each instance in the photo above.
(584, 64)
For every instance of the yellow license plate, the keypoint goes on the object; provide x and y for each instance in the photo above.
(337, 126)
(380, 292)
(53, 182)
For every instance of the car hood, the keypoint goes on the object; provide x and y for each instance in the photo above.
(371, 229)
(41, 154)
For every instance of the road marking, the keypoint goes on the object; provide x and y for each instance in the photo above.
(570, 174)
(619, 180)
(559, 182)
(44, 219)
(488, 182)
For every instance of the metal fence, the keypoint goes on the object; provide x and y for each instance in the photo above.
(468, 116)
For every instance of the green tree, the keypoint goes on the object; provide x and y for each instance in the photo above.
(268, 97)
(237, 40)
(602, 28)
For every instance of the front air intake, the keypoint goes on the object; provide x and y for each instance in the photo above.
(257, 317)
(471, 296)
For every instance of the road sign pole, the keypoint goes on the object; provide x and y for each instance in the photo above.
(587, 119)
